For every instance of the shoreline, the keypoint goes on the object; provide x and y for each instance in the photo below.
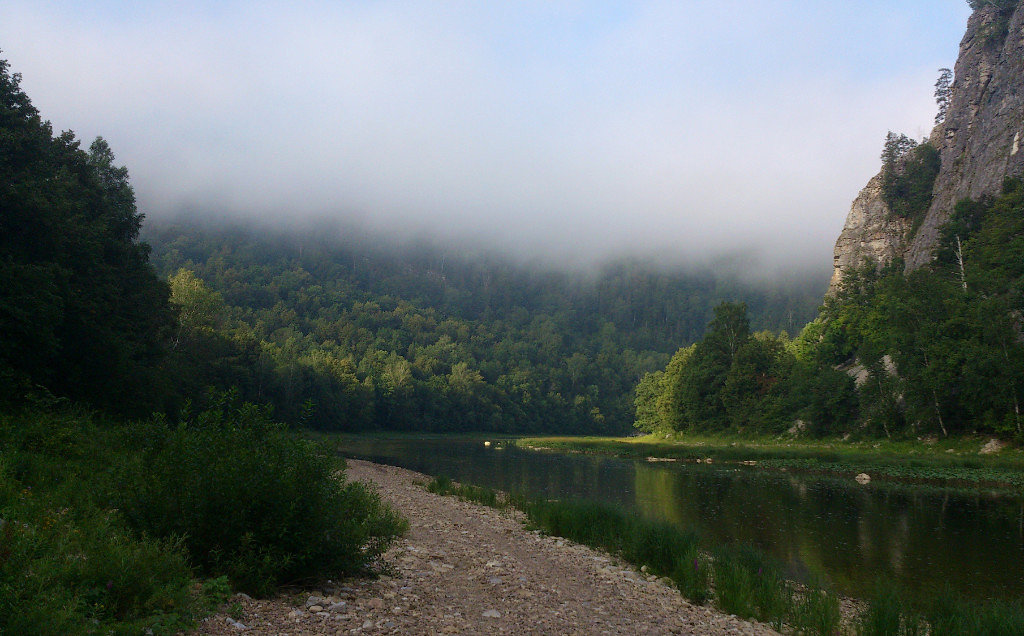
(466, 568)
(1002, 473)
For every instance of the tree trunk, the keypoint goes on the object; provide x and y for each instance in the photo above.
(960, 261)
(938, 413)
(885, 425)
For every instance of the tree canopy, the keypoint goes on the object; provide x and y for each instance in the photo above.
(81, 310)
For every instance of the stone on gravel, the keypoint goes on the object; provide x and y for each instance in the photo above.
(479, 561)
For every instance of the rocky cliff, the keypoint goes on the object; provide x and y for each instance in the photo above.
(980, 142)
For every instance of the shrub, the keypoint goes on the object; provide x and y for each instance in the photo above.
(65, 571)
(254, 501)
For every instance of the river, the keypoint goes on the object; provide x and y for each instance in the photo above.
(826, 530)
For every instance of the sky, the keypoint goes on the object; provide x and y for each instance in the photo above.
(552, 129)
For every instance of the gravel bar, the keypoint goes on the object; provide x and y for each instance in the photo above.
(469, 569)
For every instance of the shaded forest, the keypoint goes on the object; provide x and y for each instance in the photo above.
(343, 331)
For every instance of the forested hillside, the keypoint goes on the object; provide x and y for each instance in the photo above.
(935, 352)
(346, 331)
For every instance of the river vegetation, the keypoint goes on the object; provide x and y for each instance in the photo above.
(743, 581)
(953, 463)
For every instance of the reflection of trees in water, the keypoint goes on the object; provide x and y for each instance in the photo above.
(839, 533)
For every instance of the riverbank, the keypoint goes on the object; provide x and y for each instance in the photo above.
(466, 568)
(962, 463)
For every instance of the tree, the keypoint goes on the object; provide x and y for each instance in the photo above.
(943, 89)
(81, 309)
(648, 390)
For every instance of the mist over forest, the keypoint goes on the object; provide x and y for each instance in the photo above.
(561, 132)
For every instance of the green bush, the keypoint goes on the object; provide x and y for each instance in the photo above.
(71, 571)
(254, 501)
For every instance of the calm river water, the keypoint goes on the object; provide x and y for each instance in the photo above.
(826, 529)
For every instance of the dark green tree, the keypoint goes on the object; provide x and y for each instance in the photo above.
(82, 312)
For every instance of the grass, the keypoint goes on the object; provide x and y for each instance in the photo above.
(743, 581)
(750, 585)
(477, 494)
(891, 613)
(953, 463)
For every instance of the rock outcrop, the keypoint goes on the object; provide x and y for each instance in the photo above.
(980, 143)
(871, 233)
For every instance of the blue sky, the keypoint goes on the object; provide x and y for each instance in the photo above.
(577, 128)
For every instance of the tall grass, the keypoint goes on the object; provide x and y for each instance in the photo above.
(750, 585)
(478, 494)
(892, 613)
(743, 581)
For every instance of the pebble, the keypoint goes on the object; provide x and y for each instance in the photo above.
(460, 563)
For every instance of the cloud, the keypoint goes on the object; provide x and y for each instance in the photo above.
(552, 128)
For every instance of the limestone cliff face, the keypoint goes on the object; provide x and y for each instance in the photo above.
(871, 233)
(980, 142)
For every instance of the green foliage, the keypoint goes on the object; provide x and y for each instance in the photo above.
(943, 92)
(442, 485)
(937, 352)
(1001, 5)
(80, 307)
(645, 401)
(254, 501)
(743, 381)
(948, 614)
(908, 174)
(750, 585)
(815, 613)
(69, 564)
(889, 614)
(339, 333)
(692, 575)
(898, 460)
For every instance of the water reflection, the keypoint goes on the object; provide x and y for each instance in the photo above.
(833, 531)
